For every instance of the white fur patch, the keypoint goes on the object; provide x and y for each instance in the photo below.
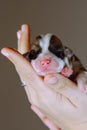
(44, 43)
(67, 62)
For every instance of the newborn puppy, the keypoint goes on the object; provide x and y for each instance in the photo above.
(49, 55)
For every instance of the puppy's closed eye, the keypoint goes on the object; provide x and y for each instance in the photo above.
(33, 54)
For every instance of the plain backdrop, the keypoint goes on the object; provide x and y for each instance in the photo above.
(65, 18)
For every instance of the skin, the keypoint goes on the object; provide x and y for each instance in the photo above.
(54, 98)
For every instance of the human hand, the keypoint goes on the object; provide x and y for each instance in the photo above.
(61, 102)
(23, 36)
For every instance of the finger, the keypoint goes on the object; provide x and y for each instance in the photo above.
(23, 37)
(64, 86)
(21, 64)
(23, 68)
(44, 118)
(53, 79)
(13, 55)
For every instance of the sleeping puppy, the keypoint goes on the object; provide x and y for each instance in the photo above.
(49, 55)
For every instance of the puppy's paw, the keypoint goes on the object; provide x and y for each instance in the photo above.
(67, 72)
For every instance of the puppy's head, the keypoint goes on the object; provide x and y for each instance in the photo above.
(47, 54)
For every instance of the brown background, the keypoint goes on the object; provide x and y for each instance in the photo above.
(65, 18)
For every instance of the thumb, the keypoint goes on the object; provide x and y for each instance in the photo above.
(21, 64)
(63, 85)
(12, 54)
(54, 79)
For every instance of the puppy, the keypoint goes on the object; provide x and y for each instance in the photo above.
(49, 55)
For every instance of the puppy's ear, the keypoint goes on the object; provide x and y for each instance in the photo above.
(68, 52)
(55, 41)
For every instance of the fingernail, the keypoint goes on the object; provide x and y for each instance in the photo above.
(23, 28)
(53, 80)
(5, 53)
(18, 35)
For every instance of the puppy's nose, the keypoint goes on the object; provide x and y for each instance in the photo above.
(45, 62)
